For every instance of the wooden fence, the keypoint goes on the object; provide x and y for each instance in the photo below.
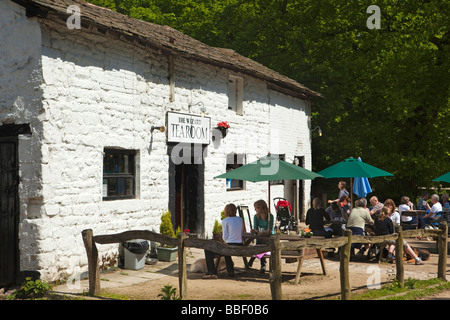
(277, 243)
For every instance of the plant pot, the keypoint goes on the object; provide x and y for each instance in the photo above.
(167, 254)
(217, 237)
(224, 132)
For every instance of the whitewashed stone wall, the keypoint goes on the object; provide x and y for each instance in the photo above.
(92, 91)
(21, 102)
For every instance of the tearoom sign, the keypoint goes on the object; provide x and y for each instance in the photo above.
(188, 128)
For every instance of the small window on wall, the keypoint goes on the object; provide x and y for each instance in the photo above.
(277, 182)
(119, 178)
(236, 94)
(234, 161)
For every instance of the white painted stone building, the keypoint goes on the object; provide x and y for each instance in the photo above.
(78, 105)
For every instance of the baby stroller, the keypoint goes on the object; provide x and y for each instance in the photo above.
(285, 218)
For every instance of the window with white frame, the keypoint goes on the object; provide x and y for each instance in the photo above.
(283, 158)
(236, 94)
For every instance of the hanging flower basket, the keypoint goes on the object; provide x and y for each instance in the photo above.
(223, 128)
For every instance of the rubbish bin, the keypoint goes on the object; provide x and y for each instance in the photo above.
(134, 252)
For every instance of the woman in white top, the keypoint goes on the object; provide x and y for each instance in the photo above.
(394, 215)
(410, 222)
(405, 205)
(232, 229)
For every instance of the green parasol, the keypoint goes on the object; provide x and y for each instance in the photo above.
(353, 168)
(444, 177)
(269, 168)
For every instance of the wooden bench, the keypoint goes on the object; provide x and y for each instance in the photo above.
(409, 214)
(295, 255)
(299, 256)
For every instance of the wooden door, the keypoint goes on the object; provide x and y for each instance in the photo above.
(9, 210)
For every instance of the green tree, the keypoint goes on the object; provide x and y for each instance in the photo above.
(386, 91)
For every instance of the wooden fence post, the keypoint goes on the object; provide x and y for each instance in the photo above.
(443, 247)
(275, 267)
(400, 275)
(92, 256)
(343, 268)
(182, 272)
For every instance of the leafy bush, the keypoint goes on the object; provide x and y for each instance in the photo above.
(217, 227)
(168, 293)
(31, 289)
(166, 227)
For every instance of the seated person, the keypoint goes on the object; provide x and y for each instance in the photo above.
(409, 222)
(421, 204)
(384, 226)
(433, 212)
(376, 206)
(316, 217)
(232, 229)
(357, 221)
(394, 215)
(262, 226)
(345, 206)
(337, 221)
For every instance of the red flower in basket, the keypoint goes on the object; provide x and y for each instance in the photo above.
(223, 125)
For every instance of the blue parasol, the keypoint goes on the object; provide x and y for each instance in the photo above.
(361, 185)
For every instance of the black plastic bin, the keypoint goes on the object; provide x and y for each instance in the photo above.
(134, 253)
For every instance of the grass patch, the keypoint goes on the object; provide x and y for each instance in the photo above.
(411, 290)
(114, 296)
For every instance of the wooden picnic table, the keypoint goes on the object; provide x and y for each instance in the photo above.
(298, 255)
(413, 213)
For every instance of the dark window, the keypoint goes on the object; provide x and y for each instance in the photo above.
(234, 161)
(236, 94)
(119, 174)
(278, 182)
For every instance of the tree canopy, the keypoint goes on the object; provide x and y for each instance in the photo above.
(386, 91)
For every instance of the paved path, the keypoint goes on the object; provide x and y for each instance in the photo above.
(127, 277)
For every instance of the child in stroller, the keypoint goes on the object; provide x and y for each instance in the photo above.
(285, 218)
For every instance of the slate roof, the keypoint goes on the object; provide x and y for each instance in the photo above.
(165, 39)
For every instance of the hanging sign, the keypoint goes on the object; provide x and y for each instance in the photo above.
(188, 128)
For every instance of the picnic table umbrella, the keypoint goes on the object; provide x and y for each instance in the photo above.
(361, 185)
(269, 168)
(352, 168)
(444, 178)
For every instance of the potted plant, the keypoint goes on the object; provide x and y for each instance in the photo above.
(217, 231)
(166, 252)
(223, 127)
(306, 233)
(217, 228)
